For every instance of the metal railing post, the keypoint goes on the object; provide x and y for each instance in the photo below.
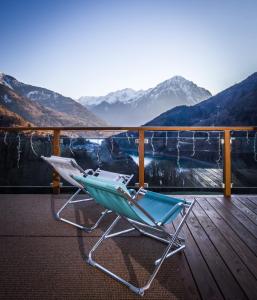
(57, 152)
(141, 157)
(227, 163)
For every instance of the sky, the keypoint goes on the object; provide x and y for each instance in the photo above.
(90, 48)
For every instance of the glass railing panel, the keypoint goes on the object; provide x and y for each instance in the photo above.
(20, 162)
(184, 159)
(114, 151)
(244, 159)
(21, 165)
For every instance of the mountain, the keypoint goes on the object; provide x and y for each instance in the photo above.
(124, 96)
(42, 106)
(11, 119)
(130, 108)
(234, 106)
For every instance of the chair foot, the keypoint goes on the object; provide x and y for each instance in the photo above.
(84, 228)
(90, 261)
(138, 291)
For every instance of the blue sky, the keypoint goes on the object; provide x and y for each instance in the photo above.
(94, 47)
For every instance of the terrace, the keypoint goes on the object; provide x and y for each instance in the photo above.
(43, 258)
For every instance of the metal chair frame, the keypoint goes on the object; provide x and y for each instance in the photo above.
(98, 172)
(174, 242)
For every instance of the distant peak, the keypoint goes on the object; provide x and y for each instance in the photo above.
(6, 76)
(178, 78)
(8, 81)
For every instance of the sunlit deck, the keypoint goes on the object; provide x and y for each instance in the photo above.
(41, 258)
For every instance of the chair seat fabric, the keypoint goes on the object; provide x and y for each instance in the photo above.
(105, 193)
(158, 205)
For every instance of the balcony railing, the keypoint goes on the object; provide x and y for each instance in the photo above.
(171, 143)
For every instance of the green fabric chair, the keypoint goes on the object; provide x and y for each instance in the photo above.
(142, 210)
(162, 208)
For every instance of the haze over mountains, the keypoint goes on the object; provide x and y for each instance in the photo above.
(40, 106)
(22, 105)
(132, 108)
(235, 106)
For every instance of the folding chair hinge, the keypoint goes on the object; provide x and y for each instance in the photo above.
(146, 141)
(146, 185)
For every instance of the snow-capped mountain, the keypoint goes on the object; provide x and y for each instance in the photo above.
(131, 108)
(42, 106)
(235, 106)
(124, 96)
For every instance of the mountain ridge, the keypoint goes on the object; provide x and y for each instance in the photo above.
(44, 107)
(236, 105)
(137, 107)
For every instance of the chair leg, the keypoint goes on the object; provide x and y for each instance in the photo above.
(72, 201)
(135, 289)
(175, 236)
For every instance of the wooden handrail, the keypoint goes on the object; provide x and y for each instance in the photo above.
(141, 130)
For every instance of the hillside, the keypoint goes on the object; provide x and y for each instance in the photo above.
(234, 106)
(11, 119)
(43, 107)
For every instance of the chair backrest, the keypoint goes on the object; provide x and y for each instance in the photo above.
(64, 167)
(67, 167)
(106, 194)
(113, 176)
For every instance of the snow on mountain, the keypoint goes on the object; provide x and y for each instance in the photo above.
(130, 107)
(5, 80)
(235, 106)
(124, 96)
(178, 85)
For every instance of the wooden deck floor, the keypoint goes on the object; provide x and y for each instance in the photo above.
(41, 258)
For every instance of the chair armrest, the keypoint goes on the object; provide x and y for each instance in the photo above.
(170, 213)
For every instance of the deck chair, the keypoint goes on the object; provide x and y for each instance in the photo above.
(144, 211)
(68, 167)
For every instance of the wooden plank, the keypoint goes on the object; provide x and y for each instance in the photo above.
(227, 164)
(190, 288)
(141, 157)
(225, 280)
(203, 277)
(217, 175)
(250, 204)
(57, 152)
(235, 211)
(251, 199)
(196, 179)
(248, 212)
(244, 277)
(199, 181)
(211, 180)
(246, 255)
(244, 234)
